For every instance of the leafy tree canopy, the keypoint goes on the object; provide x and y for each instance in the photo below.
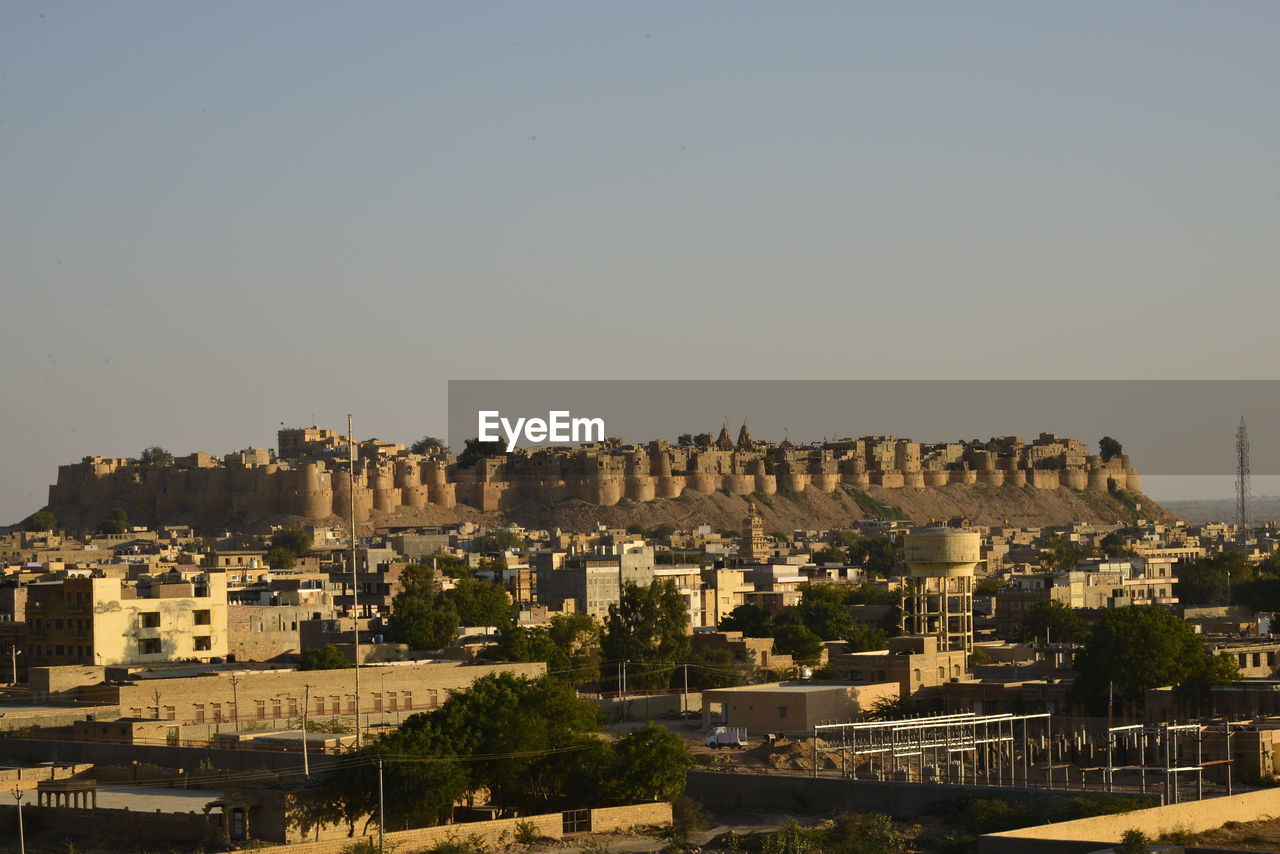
(327, 657)
(1114, 545)
(296, 541)
(420, 616)
(749, 619)
(712, 667)
(1057, 619)
(427, 445)
(115, 523)
(1109, 448)
(155, 456)
(649, 626)
(479, 603)
(650, 765)
(1204, 581)
(474, 451)
(539, 739)
(798, 641)
(41, 520)
(499, 540)
(279, 558)
(570, 646)
(1140, 647)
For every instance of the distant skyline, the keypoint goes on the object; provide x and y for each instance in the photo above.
(219, 217)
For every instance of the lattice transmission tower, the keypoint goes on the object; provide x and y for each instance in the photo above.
(1242, 476)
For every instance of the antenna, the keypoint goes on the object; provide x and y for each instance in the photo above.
(1242, 476)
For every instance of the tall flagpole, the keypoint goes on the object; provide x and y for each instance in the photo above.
(355, 578)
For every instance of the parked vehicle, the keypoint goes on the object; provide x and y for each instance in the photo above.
(727, 736)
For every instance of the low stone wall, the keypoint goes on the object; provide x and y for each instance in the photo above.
(13, 779)
(1091, 834)
(551, 825)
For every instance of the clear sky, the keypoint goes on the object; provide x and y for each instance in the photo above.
(221, 216)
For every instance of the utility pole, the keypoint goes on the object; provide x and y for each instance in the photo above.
(355, 578)
(306, 702)
(624, 687)
(235, 703)
(684, 703)
(14, 652)
(22, 836)
(382, 815)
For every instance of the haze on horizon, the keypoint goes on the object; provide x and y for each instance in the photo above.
(223, 217)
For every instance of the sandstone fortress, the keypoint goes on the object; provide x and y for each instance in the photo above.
(307, 477)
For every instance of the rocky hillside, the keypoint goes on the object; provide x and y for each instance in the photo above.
(812, 509)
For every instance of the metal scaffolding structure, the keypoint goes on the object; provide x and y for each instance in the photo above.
(1021, 750)
(957, 748)
(1159, 749)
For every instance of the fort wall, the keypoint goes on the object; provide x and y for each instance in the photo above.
(315, 484)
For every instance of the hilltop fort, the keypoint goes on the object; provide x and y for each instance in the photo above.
(306, 477)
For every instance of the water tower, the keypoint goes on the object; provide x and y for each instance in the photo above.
(937, 596)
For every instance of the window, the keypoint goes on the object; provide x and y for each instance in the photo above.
(260, 709)
(408, 700)
(203, 643)
(217, 713)
(202, 618)
(149, 646)
(377, 702)
(782, 712)
(319, 705)
(199, 713)
(275, 708)
(150, 619)
(170, 713)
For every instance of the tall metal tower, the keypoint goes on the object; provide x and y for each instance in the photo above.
(1242, 476)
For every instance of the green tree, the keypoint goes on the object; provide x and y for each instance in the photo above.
(156, 456)
(499, 540)
(1109, 448)
(702, 440)
(987, 586)
(863, 833)
(822, 609)
(279, 558)
(830, 554)
(479, 603)
(1060, 554)
(662, 531)
(428, 445)
(41, 520)
(798, 641)
(327, 657)
(751, 620)
(877, 555)
(649, 764)
(711, 667)
(1058, 619)
(1206, 580)
(570, 646)
(296, 541)
(869, 594)
(420, 616)
(684, 440)
(649, 626)
(1140, 647)
(1113, 545)
(474, 451)
(521, 740)
(116, 523)
(865, 638)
